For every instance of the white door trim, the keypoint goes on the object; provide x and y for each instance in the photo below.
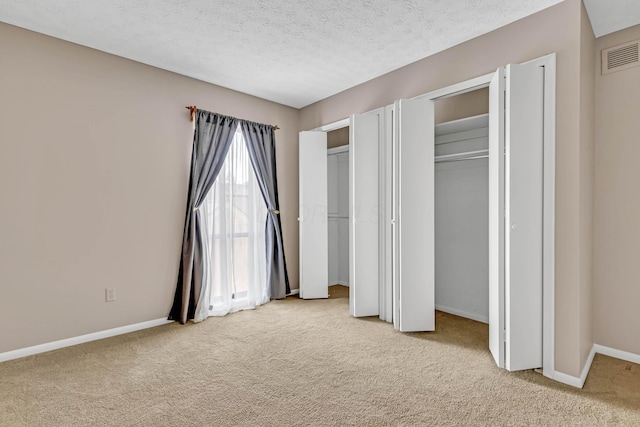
(333, 126)
(459, 88)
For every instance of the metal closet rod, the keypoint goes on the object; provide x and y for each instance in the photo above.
(467, 155)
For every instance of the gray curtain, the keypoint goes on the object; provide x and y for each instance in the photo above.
(211, 141)
(260, 140)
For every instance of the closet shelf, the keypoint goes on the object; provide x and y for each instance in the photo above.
(467, 155)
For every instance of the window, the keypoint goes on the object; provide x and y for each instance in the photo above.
(234, 215)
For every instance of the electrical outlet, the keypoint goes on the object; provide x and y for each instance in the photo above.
(109, 294)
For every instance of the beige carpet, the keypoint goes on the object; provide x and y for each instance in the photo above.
(295, 362)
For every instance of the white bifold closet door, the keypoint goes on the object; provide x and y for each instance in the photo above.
(414, 198)
(386, 211)
(365, 139)
(496, 217)
(313, 210)
(516, 140)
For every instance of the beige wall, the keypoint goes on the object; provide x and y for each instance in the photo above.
(617, 203)
(458, 107)
(338, 137)
(587, 139)
(557, 29)
(94, 165)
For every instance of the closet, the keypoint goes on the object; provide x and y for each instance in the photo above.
(521, 149)
(458, 216)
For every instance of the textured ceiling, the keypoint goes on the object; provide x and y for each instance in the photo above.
(608, 16)
(291, 52)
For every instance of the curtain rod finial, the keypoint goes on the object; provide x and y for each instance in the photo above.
(192, 110)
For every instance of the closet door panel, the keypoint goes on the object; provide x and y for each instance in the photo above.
(386, 248)
(524, 139)
(363, 211)
(415, 135)
(496, 217)
(314, 265)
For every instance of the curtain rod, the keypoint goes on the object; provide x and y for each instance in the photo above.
(192, 110)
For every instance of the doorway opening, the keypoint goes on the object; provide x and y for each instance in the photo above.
(461, 154)
(338, 208)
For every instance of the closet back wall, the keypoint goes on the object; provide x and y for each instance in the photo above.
(462, 106)
(94, 166)
(338, 137)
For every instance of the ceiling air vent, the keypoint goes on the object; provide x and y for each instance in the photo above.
(621, 57)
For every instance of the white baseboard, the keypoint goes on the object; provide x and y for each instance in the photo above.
(297, 291)
(575, 381)
(341, 283)
(68, 342)
(567, 379)
(618, 354)
(587, 366)
(597, 348)
(472, 316)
